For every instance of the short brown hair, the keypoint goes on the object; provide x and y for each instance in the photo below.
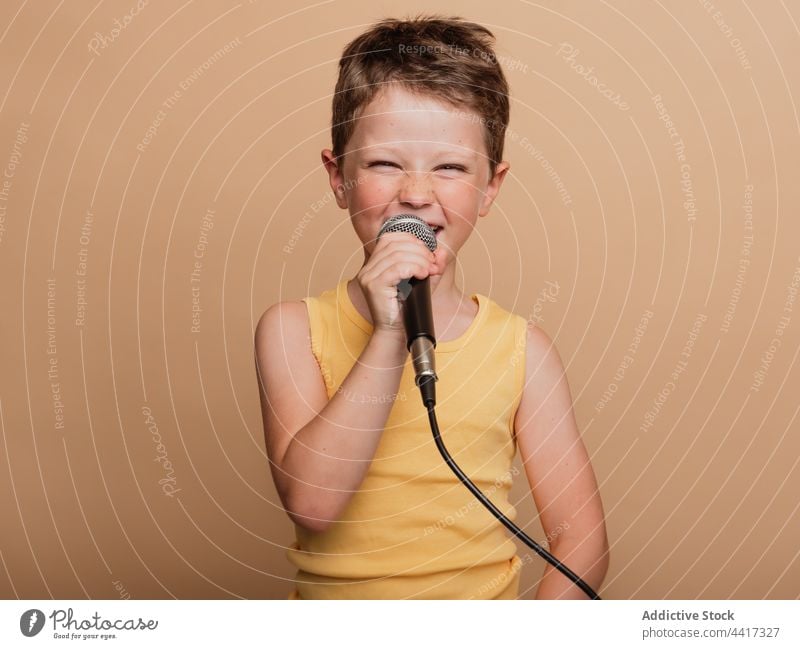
(444, 57)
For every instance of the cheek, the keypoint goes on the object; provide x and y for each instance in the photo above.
(372, 193)
(463, 198)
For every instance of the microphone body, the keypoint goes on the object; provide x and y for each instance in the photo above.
(415, 295)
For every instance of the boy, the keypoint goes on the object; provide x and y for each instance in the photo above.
(419, 116)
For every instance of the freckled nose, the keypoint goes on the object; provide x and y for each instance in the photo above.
(416, 189)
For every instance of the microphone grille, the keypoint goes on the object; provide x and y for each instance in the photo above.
(411, 224)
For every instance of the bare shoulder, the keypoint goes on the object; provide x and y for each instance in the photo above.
(543, 362)
(546, 391)
(283, 347)
(284, 356)
(284, 319)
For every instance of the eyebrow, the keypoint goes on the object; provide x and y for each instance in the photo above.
(379, 149)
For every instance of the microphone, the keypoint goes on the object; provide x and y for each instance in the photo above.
(415, 296)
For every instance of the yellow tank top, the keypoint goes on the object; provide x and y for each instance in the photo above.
(413, 530)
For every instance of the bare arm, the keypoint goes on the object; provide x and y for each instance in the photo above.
(320, 450)
(560, 473)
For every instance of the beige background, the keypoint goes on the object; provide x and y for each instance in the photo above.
(700, 504)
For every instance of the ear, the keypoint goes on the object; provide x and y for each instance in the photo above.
(493, 188)
(335, 176)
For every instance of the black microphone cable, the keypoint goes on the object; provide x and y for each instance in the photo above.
(418, 320)
(426, 386)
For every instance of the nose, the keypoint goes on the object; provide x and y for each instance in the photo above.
(415, 190)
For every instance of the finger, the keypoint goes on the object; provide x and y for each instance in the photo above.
(396, 256)
(401, 265)
(390, 237)
(403, 246)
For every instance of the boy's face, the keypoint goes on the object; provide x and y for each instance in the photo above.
(415, 154)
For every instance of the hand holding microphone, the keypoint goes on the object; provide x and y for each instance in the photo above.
(395, 283)
(415, 295)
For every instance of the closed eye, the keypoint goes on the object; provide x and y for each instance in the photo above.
(378, 163)
(452, 167)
